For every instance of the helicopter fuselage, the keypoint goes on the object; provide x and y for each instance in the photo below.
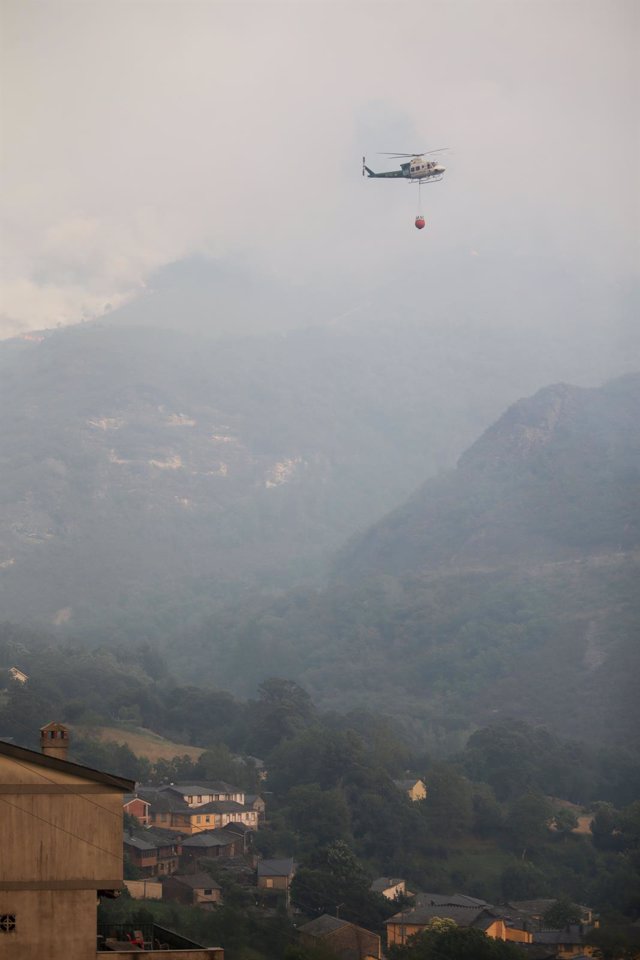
(421, 169)
(418, 169)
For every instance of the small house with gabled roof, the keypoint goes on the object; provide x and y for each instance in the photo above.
(390, 887)
(346, 940)
(414, 788)
(212, 844)
(464, 911)
(275, 874)
(197, 889)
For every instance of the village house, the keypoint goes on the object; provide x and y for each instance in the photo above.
(464, 911)
(154, 852)
(243, 831)
(346, 940)
(212, 844)
(414, 788)
(255, 802)
(566, 944)
(275, 874)
(136, 807)
(190, 808)
(197, 794)
(61, 851)
(390, 887)
(195, 889)
(533, 912)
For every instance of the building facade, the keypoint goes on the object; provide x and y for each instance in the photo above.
(61, 830)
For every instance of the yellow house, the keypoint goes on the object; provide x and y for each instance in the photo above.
(463, 911)
(389, 887)
(565, 943)
(191, 808)
(415, 789)
(171, 813)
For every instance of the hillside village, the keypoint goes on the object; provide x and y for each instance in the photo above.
(191, 845)
(180, 827)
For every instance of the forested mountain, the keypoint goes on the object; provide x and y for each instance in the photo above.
(146, 475)
(506, 588)
(556, 478)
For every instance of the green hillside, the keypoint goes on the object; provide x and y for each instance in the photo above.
(507, 588)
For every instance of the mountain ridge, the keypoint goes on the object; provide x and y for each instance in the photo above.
(506, 588)
(148, 475)
(506, 469)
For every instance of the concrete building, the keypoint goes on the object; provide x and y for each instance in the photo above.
(61, 843)
(61, 830)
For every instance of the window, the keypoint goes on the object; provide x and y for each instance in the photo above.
(208, 893)
(198, 819)
(207, 819)
(7, 922)
(268, 882)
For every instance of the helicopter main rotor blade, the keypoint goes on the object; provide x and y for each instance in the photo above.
(424, 153)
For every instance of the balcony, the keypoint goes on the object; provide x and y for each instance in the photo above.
(120, 940)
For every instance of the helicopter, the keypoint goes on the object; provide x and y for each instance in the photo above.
(415, 169)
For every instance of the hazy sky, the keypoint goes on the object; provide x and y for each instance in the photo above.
(137, 132)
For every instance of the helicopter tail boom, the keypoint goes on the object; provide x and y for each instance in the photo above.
(388, 173)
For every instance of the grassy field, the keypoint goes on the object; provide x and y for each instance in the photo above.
(142, 742)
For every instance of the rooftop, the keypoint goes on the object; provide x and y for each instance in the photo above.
(23, 755)
(209, 838)
(323, 925)
(197, 881)
(462, 916)
(383, 883)
(275, 868)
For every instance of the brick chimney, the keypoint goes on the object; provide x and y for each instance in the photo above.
(54, 740)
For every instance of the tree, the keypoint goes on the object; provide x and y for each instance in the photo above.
(521, 880)
(282, 710)
(503, 755)
(336, 881)
(565, 822)
(218, 763)
(561, 914)
(321, 815)
(612, 943)
(487, 812)
(317, 755)
(456, 943)
(449, 804)
(527, 822)
(605, 827)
